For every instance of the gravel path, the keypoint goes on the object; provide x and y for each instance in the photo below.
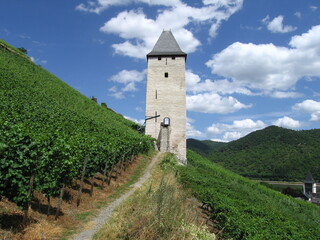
(106, 213)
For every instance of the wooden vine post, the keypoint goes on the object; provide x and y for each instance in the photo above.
(110, 173)
(60, 201)
(104, 173)
(82, 179)
(27, 205)
(49, 205)
(92, 185)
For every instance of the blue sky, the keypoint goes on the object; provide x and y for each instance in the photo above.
(251, 63)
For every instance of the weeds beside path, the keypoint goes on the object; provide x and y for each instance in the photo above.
(161, 209)
(105, 213)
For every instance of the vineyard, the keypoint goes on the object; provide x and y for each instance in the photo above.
(243, 209)
(51, 135)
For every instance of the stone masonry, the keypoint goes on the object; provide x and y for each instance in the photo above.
(166, 96)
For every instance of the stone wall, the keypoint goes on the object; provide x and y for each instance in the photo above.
(166, 96)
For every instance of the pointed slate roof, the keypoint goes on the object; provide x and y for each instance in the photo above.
(166, 46)
(309, 178)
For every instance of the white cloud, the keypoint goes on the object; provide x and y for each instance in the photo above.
(128, 49)
(268, 68)
(128, 78)
(139, 121)
(287, 122)
(309, 106)
(266, 19)
(191, 131)
(99, 6)
(236, 130)
(215, 128)
(117, 95)
(113, 89)
(262, 68)
(307, 41)
(190, 120)
(139, 109)
(298, 14)
(213, 103)
(99, 41)
(250, 27)
(205, 96)
(313, 8)
(276, 25)
(315, 116)
(280, 94)
(38, 61)
(140, 32)
(130, 87)
(24, 36)
(191, 79)
(223, 86)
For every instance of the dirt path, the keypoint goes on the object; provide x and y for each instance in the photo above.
(105, 213)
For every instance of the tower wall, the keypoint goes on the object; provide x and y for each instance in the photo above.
(166, 96)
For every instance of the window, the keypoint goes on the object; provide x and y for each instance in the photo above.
(155, 114)
(173, 58)
(166, 74)
(159, 58)
(156, 94)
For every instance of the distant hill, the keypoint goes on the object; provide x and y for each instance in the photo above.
(204, 147)
(273, 153)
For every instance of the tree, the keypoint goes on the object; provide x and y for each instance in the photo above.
(22, 49)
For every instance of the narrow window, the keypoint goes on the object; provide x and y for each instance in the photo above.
(159, 58)
(173, 58)
(156, 94)
(155, 114)
(166, 74)
(166, 61)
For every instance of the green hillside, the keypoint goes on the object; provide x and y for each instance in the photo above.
(27, 90)
(273, 153)
(51, 134)
(203, 147)
(244, 209)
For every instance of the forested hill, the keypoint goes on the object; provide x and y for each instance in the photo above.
(49, 132)
(273, 153)
(203, 147)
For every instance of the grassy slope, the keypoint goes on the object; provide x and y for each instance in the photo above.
(160, 209)
(245, 209)
(272, 153)
(29, 92)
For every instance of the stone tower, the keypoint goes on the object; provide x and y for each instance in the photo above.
(166, 96)
(309, 186)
